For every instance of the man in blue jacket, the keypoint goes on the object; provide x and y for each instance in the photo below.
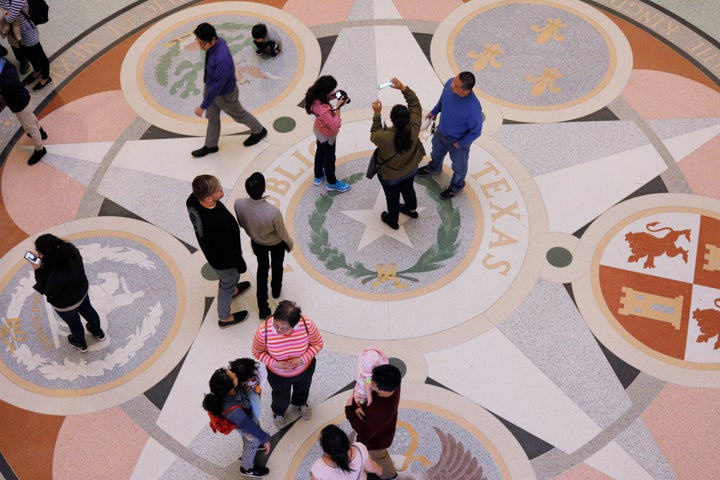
(221, 92)
(460, 124)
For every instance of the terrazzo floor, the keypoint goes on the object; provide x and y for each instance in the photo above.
(558, 319)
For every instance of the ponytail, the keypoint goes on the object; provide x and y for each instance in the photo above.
(335, 444)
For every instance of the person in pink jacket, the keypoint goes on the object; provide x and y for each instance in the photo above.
(326, 127)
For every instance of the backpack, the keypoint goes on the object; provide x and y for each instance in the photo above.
(37, 11)
(222, 424)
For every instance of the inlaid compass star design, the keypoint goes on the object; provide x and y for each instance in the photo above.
(375, 228)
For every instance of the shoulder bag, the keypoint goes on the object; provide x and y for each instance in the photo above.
(374, 164)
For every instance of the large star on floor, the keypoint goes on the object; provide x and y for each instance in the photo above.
(376, 228)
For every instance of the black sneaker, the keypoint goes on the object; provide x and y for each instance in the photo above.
(39, 86)
(201, 152)
(258, 51)
(237, 318)
(253, 138)
(30, 79)
(274, 51)
(406, 211)
(386, 220)
(255, 472)
(82, 348)
(424, 172)
(36, 156)
(448, 194)
(241, 287)
(43, 135)
(100, 337)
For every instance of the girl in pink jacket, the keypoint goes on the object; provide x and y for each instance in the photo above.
(326, 127)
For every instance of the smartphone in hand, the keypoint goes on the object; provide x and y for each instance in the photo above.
(32, 258)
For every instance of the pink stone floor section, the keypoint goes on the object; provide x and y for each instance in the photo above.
(659, 95)
(40, 196)
(105, 445)
(685, 423)
(429, 10)
(319, 12)
(582, 472)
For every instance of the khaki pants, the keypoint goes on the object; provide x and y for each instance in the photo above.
(31, 125)
(382, 458)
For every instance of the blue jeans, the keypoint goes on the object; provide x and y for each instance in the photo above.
(72, 318)
(441, 145)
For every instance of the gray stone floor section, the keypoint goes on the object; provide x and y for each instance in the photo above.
(666, 129)
(637, 440)
(549, 330)
(545, 148)
(355, 73)
(128, 188)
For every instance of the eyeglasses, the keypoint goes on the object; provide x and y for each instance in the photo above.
(283, 329)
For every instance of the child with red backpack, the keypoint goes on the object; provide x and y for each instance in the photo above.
(229, 408)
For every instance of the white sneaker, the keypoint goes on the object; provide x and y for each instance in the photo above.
(305, 412)
(280, 421)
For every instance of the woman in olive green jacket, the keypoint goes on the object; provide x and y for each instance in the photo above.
(399, 153)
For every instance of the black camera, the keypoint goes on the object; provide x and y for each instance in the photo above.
(342, 95)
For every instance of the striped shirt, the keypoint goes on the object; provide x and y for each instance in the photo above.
(30, 34)
(269, 346)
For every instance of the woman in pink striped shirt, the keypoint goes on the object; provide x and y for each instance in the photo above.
(287, 344)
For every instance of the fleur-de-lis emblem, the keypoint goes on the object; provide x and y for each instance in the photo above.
(387, 273)
(11, 334)
(551, 31)
(487, 57)
(545, 81)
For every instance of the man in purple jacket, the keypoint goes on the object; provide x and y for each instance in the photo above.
(221, 92)
(460, 124)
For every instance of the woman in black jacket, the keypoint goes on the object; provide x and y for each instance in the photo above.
(60, 276)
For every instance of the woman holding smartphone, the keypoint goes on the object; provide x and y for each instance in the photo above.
(60, 276)
(326, 128)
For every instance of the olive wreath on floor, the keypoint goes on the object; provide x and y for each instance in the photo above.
(445, 247)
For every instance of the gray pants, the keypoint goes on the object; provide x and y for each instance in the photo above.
(228, 280)
(231, 105)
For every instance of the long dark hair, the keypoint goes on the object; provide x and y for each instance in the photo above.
(319, 90)
(55, 251)
(400, 116)
(220, 386)
(335, 444)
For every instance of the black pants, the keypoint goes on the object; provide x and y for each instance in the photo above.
(325, 161)
(266, 257)
(38, 59)
(281, 387)
(72, 318)
(268, 46)
(393, 189)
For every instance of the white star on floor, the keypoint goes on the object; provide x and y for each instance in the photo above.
(376, 228)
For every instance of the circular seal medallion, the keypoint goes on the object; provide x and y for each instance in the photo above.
(655, 276)
(570, 61)
(162, 74)
(139, 294)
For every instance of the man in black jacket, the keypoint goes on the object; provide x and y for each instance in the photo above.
(218, 234)
(17, 98)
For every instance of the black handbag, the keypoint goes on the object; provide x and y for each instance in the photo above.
(373, 164)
